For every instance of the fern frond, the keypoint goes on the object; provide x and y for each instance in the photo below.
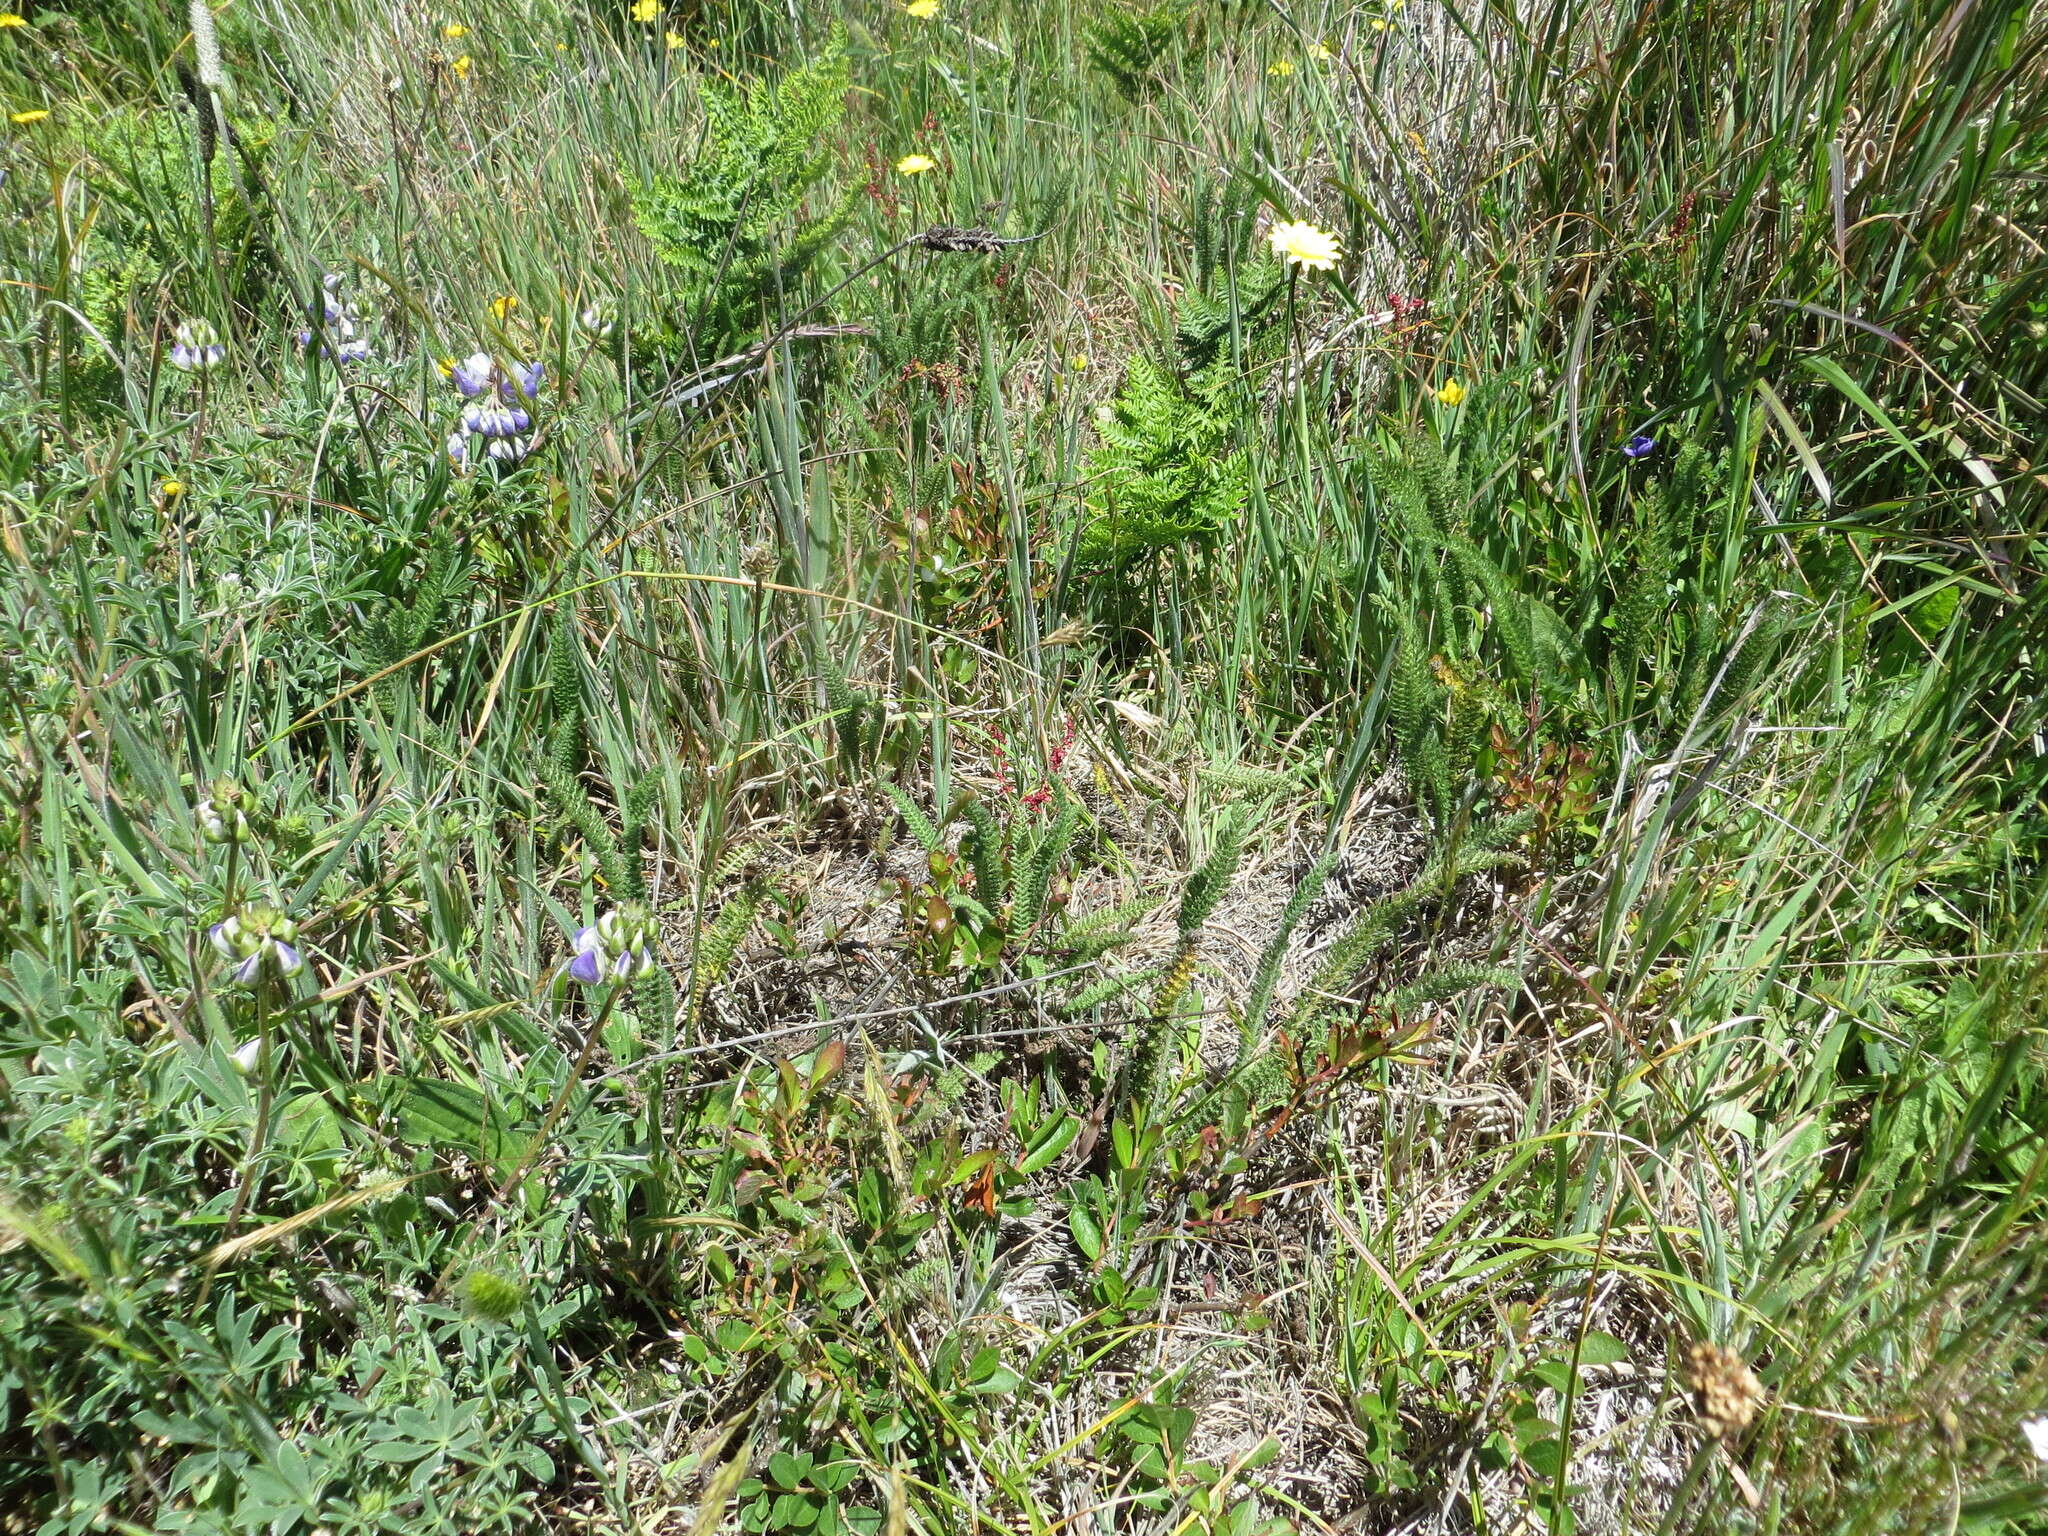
(1128, 46)
(1034, 875)
(1108, 989)
(1275, 952)
(1446, 981)
(718, 943)
(1207, 884)
(919, 825)
(984, 847)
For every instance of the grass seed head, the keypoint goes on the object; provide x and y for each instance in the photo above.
(1725, 1391)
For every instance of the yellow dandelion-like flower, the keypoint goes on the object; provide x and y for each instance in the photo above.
(915, 165)
(646, 10)
(170, 490)
(1280, 67)
(9, 19)
(1453, 393)
(923, 10)
(673, 39)
(1303, 245)
(1320, 51)
(25, 118)
(561, 47)
(1378, 23)
(455, 29)
(1078, 362)
(502, 307)
(461, 67)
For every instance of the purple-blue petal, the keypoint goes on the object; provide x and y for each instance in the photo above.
(289, 960)
(584, 968)
(247, 972)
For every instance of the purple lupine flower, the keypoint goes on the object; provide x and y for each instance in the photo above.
(262, 940)
(342, 345)
(472, 376)
(337, 323)
(195, 346)
(525, 378)
(1641, 446)
(587, 967)
(617, 947)
(494, 420)
(497, 413)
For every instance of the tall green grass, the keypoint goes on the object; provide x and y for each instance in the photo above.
(1291, 1013)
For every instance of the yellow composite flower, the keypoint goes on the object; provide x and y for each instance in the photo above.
(1078, 362)
(170, 490)
(1378, 23)
(1301, 244)
(673, 39)
(455, 29)
(646, 10)
(915, 165)
(923, 10)
(26, 118)
(462, 67)
(502, 307)
(1453, 393)
(1320, 51)
(1280, 67)
(9, 19)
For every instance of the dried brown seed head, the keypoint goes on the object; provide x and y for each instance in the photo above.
(1725, 1391)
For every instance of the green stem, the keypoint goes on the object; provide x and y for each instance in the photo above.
(265, 1097)
(517, 1177)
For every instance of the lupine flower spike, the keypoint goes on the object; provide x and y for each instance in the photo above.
(617, 947)
(220, 814)
(498, 396)
(263, 943)
(339, 325)
(195, 346)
